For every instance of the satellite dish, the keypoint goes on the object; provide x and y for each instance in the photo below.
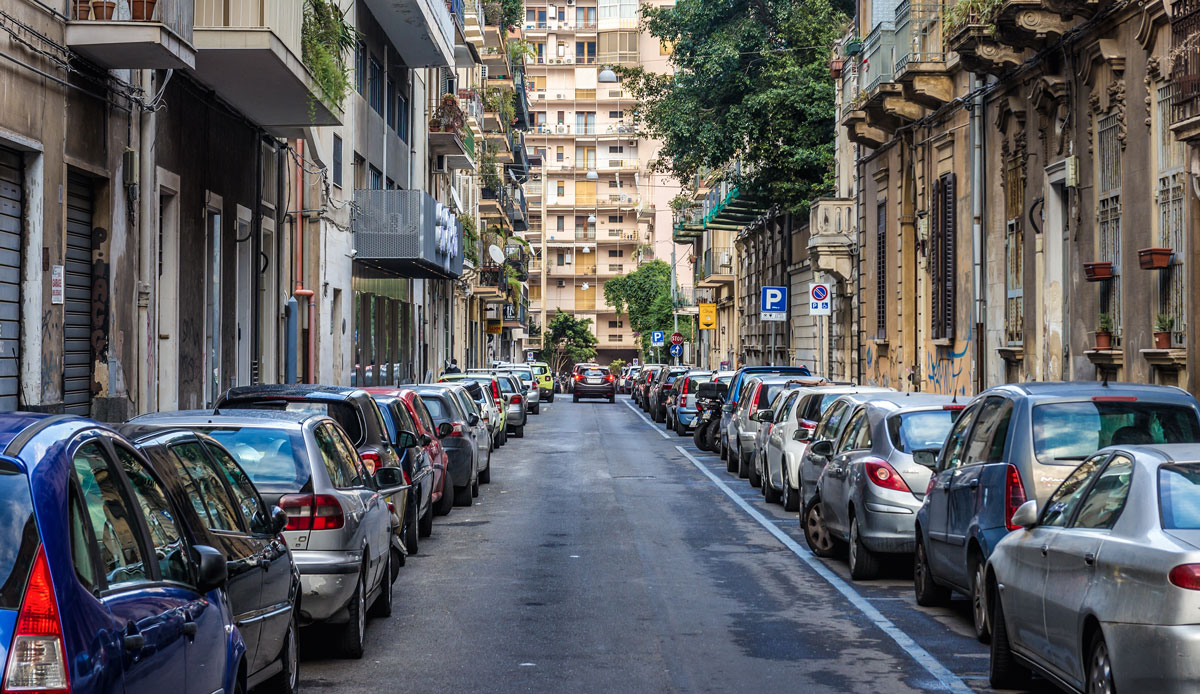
(496, 254)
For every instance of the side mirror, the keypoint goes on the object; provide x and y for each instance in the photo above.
(211, 571)
(472, 419)
(390, 480)
(424, 440)
(822, 449)
(1026, 514)
(728, 407)
(406, 439)
(764, 416)
(279, 520)
(444, 429)
(802, 435)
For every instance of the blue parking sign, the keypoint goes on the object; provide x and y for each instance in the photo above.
(656, 338)
(773, 303)
(676, 350)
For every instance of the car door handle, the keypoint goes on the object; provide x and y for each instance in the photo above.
(1045, 549)
(133, 642)
(973, 484)
(1090, 559)
(190, 629)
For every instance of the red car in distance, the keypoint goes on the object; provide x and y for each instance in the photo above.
(441, 500)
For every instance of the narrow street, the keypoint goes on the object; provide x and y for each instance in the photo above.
(603, 558)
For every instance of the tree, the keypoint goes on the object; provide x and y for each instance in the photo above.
(644, 296)
(615, 365)
(751, 84)
(569, 341)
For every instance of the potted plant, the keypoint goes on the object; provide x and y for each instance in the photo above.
(1163, 325)
(1104, 332)
(142, 10)
(853, 47)
(448, 115)
(83, 8)
(1101, 271)
(1155, 258)
(835, 67)
(103, 9)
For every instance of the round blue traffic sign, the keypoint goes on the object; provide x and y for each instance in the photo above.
(820, 292)
(676, 350)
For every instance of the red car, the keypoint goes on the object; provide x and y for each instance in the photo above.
(441, 500)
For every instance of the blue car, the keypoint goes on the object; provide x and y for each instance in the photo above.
(103, 590)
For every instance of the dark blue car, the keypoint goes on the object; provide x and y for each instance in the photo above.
(102, 588)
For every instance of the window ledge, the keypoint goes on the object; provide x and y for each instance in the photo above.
(943, 342)
(1012, 353)
(1166, 358)
(1106, 357)
(879, 341)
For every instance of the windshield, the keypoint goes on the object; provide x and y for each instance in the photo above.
(540, 370)
(920, 431)
(1071, 431)
(273, 458)
(1179, 496)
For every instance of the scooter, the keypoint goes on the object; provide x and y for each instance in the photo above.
(709, 400)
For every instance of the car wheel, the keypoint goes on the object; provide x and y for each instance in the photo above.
(815, 533)
(864, 565)
(383, 603)
(1004, 672)
(680, 429)
(425, 524)
(447, 500)
(929, 592)
(1100, 675)
(485, 475)
(730, 458)
(462, 496)
(979, 600)
(536, 409)
(412, 532)
(475, 487)
(791, 497)
(743, 465)
(519, 432)
(355, 630)
(612, 397)
(770, 493)
(287, 681)
(575, 397)
(551, 398)
(752, 472)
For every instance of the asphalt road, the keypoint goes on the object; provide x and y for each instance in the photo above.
(602, 558)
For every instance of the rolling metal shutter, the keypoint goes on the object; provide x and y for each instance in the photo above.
(77, 314)
(11, 179)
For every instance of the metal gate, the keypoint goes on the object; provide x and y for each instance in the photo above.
(77, 307)
(11, 187)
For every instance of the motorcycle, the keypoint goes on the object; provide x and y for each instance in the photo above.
(709, 399)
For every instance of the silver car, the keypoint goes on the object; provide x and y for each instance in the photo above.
(877, 473)
(515, 399)
(339, 522)
(757, 394)
(1100, 591)
(533, 394)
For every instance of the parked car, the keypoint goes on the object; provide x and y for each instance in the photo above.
(795, 421)
(681, 402)
(628, 376)
(107, 588)
(1098, 589)
(595, 382)
(480, 429)
(641, 386)
(758, 392)
(456, 429)
(491, 403)
(339, 526)
(544, 378)
(1018, 442)
(220, 504)
(877, 474)
(660, 388)
(425, 464)
(533, 404)
(515, 405)
(736, 388)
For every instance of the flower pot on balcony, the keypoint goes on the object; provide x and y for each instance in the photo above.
(142, 10)
(1155, 258)
(1098, 272)
(102, 10)
(835, 68)
(1103, 340)
(1162, 340)
(853, 48)
(83, 8)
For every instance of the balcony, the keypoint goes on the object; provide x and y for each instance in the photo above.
(248, 52)
(1031, 23)
(921, 63)
(421, 30)
(831, 243)
(1185, 42)
(491, 282)
(882, 97)
(716, 268)
(450, 138)
(133, 40)
(973, 37)
(407, 232)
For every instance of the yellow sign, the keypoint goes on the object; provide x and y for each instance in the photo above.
(495, 326)
(708, 316)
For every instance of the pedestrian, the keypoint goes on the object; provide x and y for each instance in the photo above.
(453, 369)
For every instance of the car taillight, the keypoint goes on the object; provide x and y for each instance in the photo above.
(517, 400)
(884, 475)
(371, 460)
(754, 400)
(610, 378)
(495, 390)
(36, 656)
(460, 429)
(1185, 576)
(578, 376)
(954, 408)
(667, 386)
(1014, 495)
(312, 512)
(929, 487)
(808, 425)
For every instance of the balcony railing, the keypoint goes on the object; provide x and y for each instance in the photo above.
(139, 34)
(405, 231)
(879, 51)
(1185, 40)
(282, 17)
(717, 261)
(918, 34)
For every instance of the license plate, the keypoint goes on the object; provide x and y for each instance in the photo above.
(593, 381)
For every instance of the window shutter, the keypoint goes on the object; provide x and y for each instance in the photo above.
(881, 271)
(944, 265)
(950, 204)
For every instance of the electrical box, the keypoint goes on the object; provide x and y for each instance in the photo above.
(1072, 171)
(129, 162)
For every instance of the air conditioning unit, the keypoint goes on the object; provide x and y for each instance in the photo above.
(561, 283)
(561, 129)
(541, 95)
(560, 95)
(570, 61)
(726, 260)
(570, 2)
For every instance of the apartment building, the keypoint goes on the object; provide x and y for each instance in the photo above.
(596, 209)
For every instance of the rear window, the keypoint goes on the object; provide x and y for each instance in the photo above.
(18, 535)
(1071, 431)
(920, 431)
(506, 385)
(1179, 496)
(276, 460)
(540, 370)
(595, 372)
(436, 407)
(343, 413)
(768, 392)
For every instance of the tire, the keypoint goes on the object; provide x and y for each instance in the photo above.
(355, 630)
(1099, 668)
(1004, 672)
(612, 397)
(536, 409)
(425, 524)
(791, 497)
(743, 465)
(770, 493)
(447, 501)
(519, 432)
(382, 607)
(462, 496)
(698, 437)
(820, 542)
(731, 461)
(551, 398)
(929, 592)
(711, 433)
(287, 680)
(475, 488)
(983, 630)
(485, 475)
(412, 533)
(575, 397)
(864, 564)
(680, 429)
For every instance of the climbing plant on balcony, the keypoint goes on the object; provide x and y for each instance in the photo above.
(964, 12)
(470, 239)
(489, 165)
(327, 37)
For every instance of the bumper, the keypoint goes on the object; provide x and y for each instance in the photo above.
(327, 582)
(546, 393)
(888, 526)
(460, 465)
(584, 390)
(1151, 658)
(686, 417)
(516, 415)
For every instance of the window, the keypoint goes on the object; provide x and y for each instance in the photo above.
(992, 422)
(560, 260)
(1106, 499)
(361, 476)
(1172, 290)
(616, 149)
(342, 474)
(881, 303)
(831, 422)
(1014, 250)
(560, 221)
(561, 189)
(952, 452)
(585, 17)
(616, 114)
(207, 494)
(1108, 215)
(108, 509)
(1065, 432)
(376, 179)
(618, 46)
(402, 119)
(423, 414)
(617, 253)
(615, 219)
(612, 184)
(390, 100)
(920, 431)
(269, 456)
(943, 258)
(1063, 501)
(585, 52)
(616, 324)
(360, 68)
(360, 172)
(1179, 496)
(168, 546)
(337, 161)
(666, 47)
(558, 152)
(857, 421)
(243, 489)
(375, 85)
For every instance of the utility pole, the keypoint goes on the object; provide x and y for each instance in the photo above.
(674, 289)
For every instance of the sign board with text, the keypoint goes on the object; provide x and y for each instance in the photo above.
(773, 304)
(677, 338)
(708, 316)
(820, 299)
(57, 286)
(657, 338)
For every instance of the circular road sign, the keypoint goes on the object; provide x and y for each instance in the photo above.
(820, 292)
(676, 350)
(677, 338)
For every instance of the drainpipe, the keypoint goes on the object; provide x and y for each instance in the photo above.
(977, 230)
(298, 226)
(147, 337)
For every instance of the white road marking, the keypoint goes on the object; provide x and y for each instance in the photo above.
(931, 664)
(647, 421)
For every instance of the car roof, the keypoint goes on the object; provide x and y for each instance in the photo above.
(253, 418)
(291, 390)
(1061, 389)
(899, 402)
